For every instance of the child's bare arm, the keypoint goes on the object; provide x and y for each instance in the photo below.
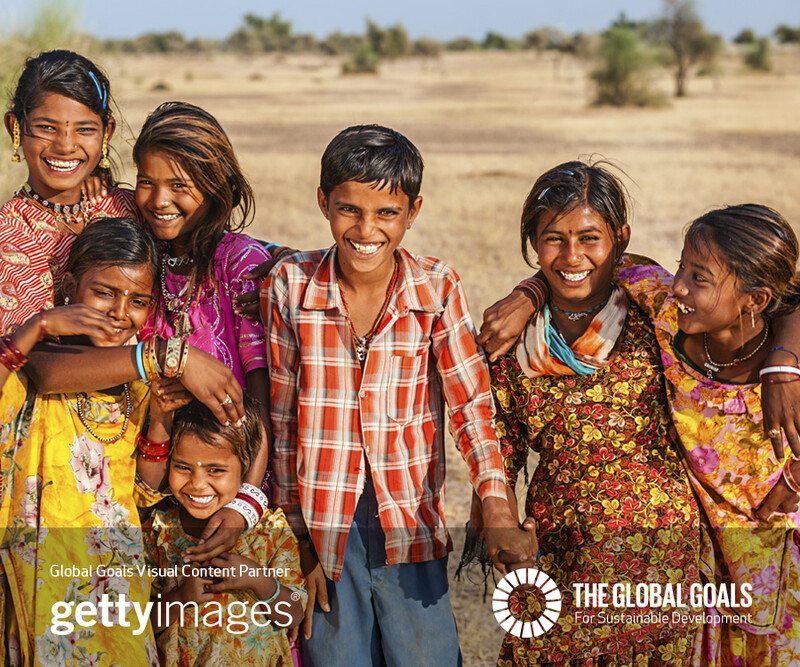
(284, 609)
(193, 589)
(70, 368)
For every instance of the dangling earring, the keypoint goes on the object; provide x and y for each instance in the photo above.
(753, 319)
(66, 300)
(15, 140)
(104, 163)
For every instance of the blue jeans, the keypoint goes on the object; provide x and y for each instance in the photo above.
(393, 615)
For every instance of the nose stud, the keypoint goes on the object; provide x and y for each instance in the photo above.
(165, 203)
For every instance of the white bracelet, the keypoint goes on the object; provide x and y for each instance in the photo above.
(769, 370)
(249, 514)
(256, 494)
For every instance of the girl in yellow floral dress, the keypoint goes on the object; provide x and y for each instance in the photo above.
(69, 528)
(736, 275)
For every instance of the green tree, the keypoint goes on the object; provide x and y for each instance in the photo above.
(259, 34)
(787, 35)
(623, 76)
(461, 44)
(758, 56)
(496, 41)
(682, 31)
(746, 36)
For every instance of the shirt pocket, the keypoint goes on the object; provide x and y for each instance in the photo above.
(407, 386)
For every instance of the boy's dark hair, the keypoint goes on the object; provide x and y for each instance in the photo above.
(63, 73)
(196, 141)
(569, 185)
(372, 154)
(113, 242)
(245, 440)
(758, 246)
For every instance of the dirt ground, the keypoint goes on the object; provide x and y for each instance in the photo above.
(487, 124)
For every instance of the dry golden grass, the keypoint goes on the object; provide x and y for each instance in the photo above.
(487, 124)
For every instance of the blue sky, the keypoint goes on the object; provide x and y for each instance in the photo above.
(422, 18)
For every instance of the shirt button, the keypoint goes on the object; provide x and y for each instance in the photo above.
(362, 393)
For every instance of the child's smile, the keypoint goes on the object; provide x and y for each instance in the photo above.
(368, 224)
(203, 477)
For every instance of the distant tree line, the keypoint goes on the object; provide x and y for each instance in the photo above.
(625, 54)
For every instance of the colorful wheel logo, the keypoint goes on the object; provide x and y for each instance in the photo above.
(548, 589)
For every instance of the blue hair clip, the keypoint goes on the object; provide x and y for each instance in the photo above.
(101, 90)
(543, 193)
(568, 172)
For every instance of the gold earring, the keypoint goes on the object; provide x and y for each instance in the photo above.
(104, 163)
(15, 140)
(753, 319)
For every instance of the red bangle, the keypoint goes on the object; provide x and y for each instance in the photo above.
(10, 356)
(252, 502)
(152, 451)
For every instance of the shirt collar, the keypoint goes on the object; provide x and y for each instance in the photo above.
(414, 288)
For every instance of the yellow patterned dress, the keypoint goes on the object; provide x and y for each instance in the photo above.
(69, 527)
(732, 468)
(222, 639)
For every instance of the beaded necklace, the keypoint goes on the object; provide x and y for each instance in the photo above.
(361, 343)
(574, 317)
(73, 217)
(176, 306)
(128, 406)
(714, 366)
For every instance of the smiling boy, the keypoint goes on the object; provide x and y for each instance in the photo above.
(367, 342)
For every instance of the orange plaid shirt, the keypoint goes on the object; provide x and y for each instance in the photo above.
(333, 424)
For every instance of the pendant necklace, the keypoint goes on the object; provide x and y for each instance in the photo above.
(361, 343)
(73, 217)
(176, 306)
(714, 366)
(574, 317)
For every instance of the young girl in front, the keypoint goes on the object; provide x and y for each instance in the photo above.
(68, 507)
(60, 118)
(609, 496)
(207, 465)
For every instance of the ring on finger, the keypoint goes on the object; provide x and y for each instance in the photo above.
(227, 400)
(774, 433)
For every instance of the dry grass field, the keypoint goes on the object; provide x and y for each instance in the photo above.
(487, 124)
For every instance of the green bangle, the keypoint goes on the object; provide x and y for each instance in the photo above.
(272, 597)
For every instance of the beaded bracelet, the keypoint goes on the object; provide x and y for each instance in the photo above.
(154, 452)
(778, 348)
(769, 370)
(791, 482)
(10, 356)
(272, 597)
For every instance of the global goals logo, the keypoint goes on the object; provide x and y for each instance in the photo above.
(547, 589)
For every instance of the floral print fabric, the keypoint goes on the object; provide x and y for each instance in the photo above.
(69, 526)
(271, 544)
(731, 468)
(609, 497)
